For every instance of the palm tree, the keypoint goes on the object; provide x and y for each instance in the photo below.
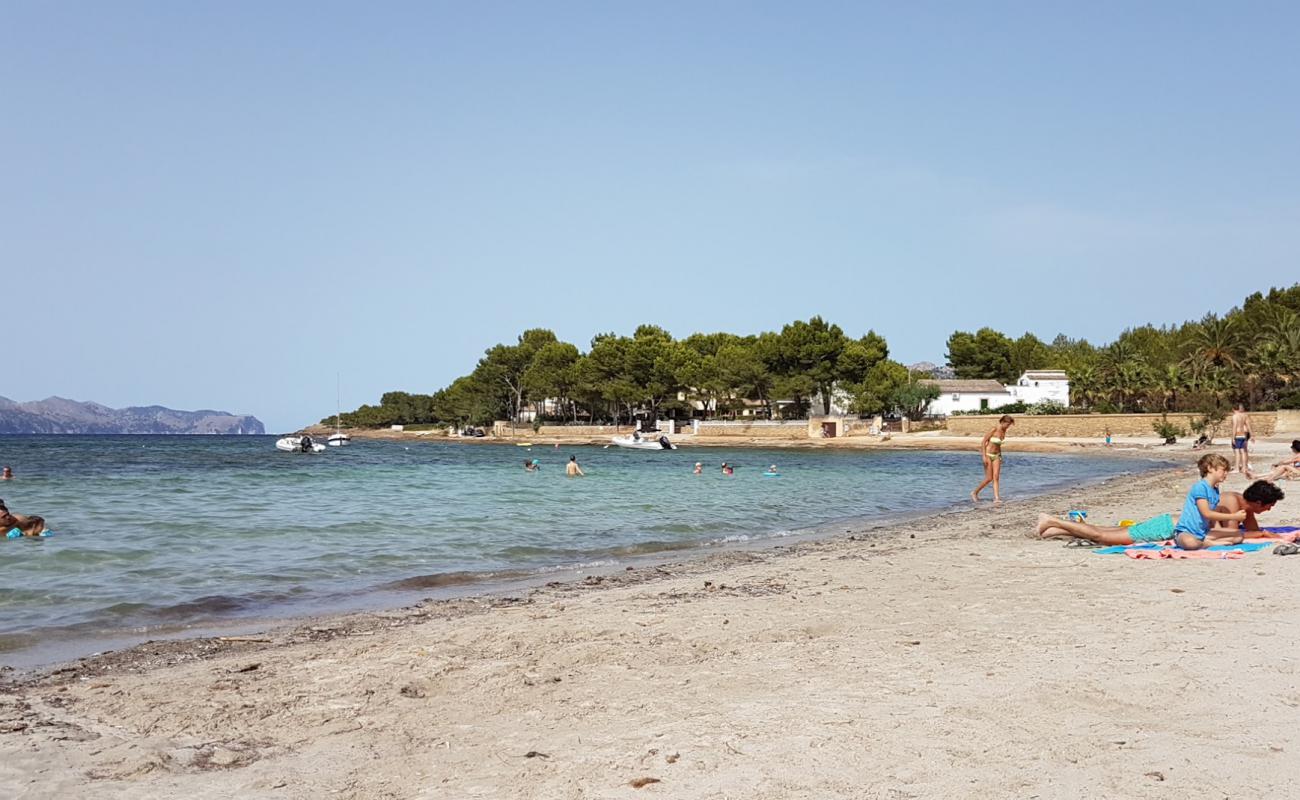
(1216, 341)
(1170, 382)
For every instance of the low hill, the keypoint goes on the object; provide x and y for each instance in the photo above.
(60, 415)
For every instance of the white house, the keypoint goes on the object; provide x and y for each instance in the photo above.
(1041, 386)
(968, 395)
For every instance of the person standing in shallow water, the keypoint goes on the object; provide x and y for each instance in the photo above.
(572, 469)
(991, 454)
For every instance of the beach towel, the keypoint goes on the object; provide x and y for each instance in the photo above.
(1175, 552)
(1159, 550)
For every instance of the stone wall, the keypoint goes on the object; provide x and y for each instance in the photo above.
(796, 429)
(525, 429)
(1095, 425)
(1288, 421)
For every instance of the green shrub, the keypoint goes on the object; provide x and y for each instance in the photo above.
(1047, 408)
(1167, 430)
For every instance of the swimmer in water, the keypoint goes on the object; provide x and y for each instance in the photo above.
(699, 468)
(531, 465)
(572, 469)
(32, 526)
(7, 474)
(727, 469)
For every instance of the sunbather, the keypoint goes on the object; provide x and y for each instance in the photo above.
(1259, 497)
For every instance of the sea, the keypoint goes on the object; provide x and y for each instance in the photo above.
(164, 536)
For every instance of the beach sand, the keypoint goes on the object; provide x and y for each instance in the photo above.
(969, 661)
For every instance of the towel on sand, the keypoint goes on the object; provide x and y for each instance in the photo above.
(1211, 553)
(1157, 550)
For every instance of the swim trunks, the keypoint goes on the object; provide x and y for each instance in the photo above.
(1156, 529)
(1238, 442)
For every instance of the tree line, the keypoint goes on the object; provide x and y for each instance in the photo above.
(1249, 355)
(785, 374)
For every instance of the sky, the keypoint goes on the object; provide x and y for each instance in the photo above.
(244, 205)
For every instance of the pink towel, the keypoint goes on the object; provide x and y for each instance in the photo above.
(1170, 552)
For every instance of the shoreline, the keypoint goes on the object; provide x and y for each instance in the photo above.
(581, 578)
(959, 657)
(416, 589)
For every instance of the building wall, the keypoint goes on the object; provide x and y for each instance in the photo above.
(944, 405)
(1055, 391)
(1090, 425)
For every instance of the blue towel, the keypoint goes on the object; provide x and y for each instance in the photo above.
(1248, 547)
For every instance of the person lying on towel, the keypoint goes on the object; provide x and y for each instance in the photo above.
(1258, 498)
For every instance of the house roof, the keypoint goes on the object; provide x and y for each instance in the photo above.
(1046, 375)
(967, 386)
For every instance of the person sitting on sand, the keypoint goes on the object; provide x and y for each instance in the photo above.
(1195, 527)
(1288, 468)
(1259, 497)
(991, 453)
(26, 525)
(572, 469)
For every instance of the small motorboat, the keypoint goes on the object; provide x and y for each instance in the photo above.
(638, 442)
(339, 439)
(299, 444)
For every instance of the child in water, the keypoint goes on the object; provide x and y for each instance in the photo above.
(32, 526)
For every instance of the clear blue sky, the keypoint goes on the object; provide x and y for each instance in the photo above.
(225, 204)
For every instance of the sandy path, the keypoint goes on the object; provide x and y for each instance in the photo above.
(970, 661)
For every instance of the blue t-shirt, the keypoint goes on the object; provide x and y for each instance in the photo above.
(1191, 521)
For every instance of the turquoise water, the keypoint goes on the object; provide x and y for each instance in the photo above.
(158, 534)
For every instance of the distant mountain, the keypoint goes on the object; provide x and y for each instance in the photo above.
(939, 373)
(58, 415)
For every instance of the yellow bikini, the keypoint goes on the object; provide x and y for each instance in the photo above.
(994, 456)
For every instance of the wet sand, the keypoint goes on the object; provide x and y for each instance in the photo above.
(959, 657)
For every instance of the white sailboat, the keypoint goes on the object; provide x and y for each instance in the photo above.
(338, 438)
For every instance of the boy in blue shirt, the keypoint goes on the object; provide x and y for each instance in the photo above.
(1195, 529)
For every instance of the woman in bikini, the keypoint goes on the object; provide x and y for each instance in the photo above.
(991, 453)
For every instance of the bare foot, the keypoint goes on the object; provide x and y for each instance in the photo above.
(1045, 521)
(1052, 532)
(974, 497)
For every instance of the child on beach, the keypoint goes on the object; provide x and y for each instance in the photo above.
(1259, 497)
(991, 453)
(1194, 530)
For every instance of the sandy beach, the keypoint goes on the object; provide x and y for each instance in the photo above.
(959, 657)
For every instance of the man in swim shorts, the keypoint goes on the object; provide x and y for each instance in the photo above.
(1241, 438)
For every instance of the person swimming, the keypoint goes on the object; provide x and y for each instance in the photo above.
(32, 526)
(699, 468)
